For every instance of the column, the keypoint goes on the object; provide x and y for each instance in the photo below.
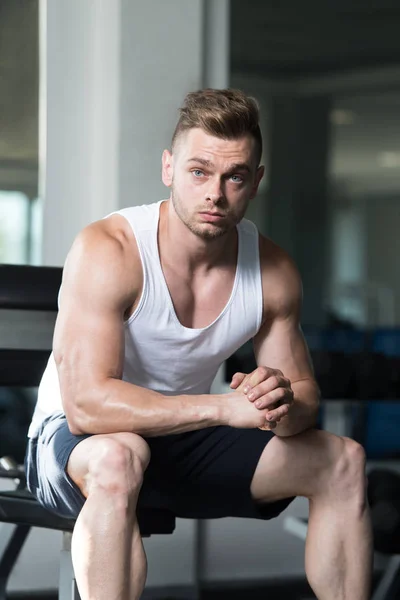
(79, 118)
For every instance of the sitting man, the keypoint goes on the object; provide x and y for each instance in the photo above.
(154, 299)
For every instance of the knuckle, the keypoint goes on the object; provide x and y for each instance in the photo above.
(275, 381)
(281, 393)
(263, 371)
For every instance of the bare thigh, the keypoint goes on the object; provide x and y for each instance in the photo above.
(93, 449)
(306, 464)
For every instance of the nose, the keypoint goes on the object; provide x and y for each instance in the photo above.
(214, 190)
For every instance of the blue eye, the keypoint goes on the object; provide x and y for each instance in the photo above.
(197, 173)
(237, 178)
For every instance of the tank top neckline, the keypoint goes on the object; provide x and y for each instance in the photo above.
(166, 288)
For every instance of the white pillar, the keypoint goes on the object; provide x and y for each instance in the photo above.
(216, 43)
(113, 74)
(79, 125)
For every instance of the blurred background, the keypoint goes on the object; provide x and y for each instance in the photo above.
(89, 92)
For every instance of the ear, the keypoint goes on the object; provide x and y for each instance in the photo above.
(167, 168)
(259, 175)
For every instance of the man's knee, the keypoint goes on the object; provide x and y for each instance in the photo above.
(115, 465)
(138, 446)
(347, 473)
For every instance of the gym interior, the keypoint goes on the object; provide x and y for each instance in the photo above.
(89, 92)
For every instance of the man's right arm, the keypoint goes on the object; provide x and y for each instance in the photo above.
(102, 280)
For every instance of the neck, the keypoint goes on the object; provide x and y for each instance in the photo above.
(192, 253)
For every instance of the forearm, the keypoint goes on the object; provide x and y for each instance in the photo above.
(117, 406)
(304, 410)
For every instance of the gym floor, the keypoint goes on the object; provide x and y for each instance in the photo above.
(296, 590)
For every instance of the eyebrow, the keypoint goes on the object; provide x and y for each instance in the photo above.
(233, 167)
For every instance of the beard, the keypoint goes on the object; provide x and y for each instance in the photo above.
(205, 230)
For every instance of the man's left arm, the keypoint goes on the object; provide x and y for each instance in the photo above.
(283, 358)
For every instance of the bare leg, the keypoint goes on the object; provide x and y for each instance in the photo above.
(330, 472)
(107, 551)
(138, 567)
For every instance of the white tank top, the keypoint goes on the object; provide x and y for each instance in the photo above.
(160, 353)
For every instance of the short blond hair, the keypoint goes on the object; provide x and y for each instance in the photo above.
(227, 114)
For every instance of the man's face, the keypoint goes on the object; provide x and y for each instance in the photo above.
(212, 181)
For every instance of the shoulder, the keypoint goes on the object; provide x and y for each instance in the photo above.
(281, 281)
(104, 256)
(112, 236)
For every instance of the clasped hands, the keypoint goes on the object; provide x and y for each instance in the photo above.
(268, 389)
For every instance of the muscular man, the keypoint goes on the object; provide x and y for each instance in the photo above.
(154, 298)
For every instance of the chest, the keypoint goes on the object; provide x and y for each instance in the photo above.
(198, 301)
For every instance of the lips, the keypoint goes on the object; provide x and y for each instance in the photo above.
(211, 217)
(212, 214)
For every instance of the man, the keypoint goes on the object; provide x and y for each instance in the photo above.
(153, 300)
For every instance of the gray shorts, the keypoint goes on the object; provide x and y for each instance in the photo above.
(202, 474)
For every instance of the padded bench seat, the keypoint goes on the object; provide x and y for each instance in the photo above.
(20, 507)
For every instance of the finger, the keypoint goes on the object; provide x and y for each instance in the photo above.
(245, 386)
(265, 387)
(268, 426)
(237, 379)
(274, 399)
(278, 413)
(261, 374)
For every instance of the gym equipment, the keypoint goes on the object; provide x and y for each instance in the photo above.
(378, 420)
(384, 500)
(334, 352)
(15, 417)
(28, 308)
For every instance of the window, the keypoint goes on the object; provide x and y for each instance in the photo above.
(14, 227)
(19, 123)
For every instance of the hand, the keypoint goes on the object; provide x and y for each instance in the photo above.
(268, 389)
(242, 414)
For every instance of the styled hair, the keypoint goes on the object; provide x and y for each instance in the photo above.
(227, 114)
